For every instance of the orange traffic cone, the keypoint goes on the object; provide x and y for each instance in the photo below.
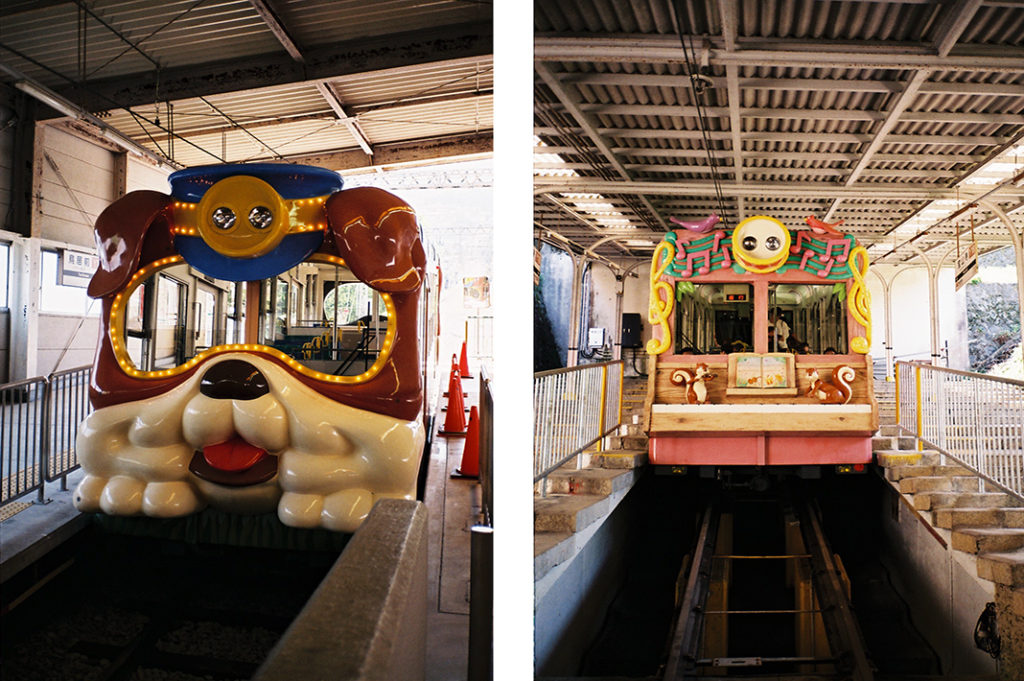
(470, 467)
(455, 369)
(455, 421)
(464, 363)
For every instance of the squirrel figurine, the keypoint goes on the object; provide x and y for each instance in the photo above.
(696, 390)
(837, 392)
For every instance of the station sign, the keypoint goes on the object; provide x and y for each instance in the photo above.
(966, 265)
(76, 268)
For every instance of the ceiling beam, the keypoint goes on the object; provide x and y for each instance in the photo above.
(727, 11)
(947, 35)
(277, 27)
(779, 189)
(322, 62)
(280, 31)
(795, 84)
(327, 91)
(766, 52)
(405, 153)
(590, 130)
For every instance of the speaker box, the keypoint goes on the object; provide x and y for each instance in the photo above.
(631, 330)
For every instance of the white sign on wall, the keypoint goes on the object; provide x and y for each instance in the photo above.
(76, 268)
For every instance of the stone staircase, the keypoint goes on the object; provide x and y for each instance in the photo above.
(588, 487)
(974, 517)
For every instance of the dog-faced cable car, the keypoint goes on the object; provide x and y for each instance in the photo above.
(263, 346)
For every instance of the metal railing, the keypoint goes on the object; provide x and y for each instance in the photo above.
(481, 558)
(39, 420)
(975, 419)
(573, 409)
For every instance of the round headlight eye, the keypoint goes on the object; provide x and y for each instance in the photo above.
(749, 243)
(223, 218)
(260, 217)
(773, 243)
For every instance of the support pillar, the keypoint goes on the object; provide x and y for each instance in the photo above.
(620, 288)
(572, 347)
(887, 302)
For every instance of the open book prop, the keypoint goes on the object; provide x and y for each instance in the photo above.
(770, 373)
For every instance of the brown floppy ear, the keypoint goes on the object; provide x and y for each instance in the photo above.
(120, 231)
(378, 236)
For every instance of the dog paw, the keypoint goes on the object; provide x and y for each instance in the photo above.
(342, 511)
(300, 510)
(170, 499)
(345, 511)
(122, 495)
(87, 495)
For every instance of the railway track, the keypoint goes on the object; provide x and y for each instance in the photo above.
(782, 614)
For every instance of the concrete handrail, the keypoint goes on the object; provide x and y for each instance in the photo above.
(367, 619)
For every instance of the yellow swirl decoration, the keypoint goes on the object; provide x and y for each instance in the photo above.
(859, 300)
(662, 300)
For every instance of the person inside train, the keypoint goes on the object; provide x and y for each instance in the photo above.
(778, 332)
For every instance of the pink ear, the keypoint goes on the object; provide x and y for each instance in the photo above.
(120, 231)
(378, 236)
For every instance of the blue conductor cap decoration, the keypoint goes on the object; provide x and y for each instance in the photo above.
(243, 222)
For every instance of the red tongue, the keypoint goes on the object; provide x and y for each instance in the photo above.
(234, 455)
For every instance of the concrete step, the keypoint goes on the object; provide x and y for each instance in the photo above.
(567, 513)
(888, 458)
(618, 459)
(988, 539)
(955, 518)
(943, 483)
(900, 472)
(634, 441)
(1006, 567)
(906, 442)
(933, 501)
(883, 442)
(888, 430)
(587, 481)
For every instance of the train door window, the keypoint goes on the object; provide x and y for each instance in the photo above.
(713, 318)
(280, 309)
(267, 311)
(205, 317)
(168, 349)
(235, 318)
(136, 340)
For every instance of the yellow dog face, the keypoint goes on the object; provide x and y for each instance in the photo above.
(761, 244)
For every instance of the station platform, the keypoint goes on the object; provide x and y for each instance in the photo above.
(32, 531)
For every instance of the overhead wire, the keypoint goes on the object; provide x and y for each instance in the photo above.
(690, 57)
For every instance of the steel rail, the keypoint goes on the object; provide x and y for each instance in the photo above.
(683, 654)
(847, 652)
(840, 624)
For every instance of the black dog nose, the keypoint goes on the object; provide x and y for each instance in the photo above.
(234, 379)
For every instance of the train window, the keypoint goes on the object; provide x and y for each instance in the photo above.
(713, 318)
(815, 315)
(60, 298)
(174, 315)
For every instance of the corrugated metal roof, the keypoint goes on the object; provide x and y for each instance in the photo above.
(421, 90)
(900, 100)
